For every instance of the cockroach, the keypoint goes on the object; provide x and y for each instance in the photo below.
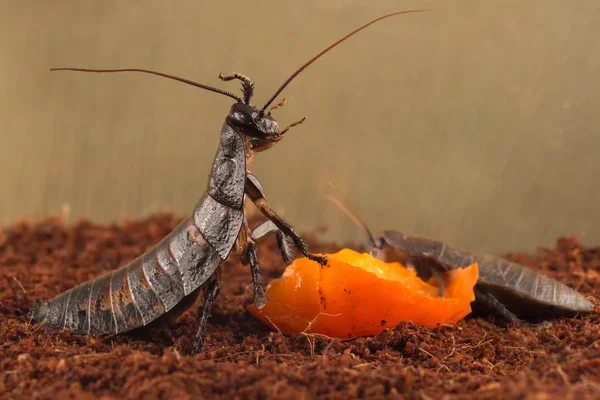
(169, 277)
(510, 289)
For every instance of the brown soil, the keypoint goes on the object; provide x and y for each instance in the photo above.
(480, 357)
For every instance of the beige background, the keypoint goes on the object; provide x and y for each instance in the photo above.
(477, 123)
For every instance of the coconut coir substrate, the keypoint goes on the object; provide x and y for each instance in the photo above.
(480, 357)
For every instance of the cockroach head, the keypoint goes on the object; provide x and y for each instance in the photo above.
(252, 122)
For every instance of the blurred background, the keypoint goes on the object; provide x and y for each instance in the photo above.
(476, 123)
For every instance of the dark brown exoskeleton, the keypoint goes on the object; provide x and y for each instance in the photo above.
(510, 289)
(173, 272)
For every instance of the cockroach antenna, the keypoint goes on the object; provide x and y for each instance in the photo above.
(344, 205)
(175, 78)
(247, 85)
(315, 58)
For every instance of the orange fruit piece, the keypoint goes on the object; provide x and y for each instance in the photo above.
(358, 295)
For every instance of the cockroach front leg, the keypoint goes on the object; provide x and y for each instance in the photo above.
(211, 294)
(267, 228)
(255, 192)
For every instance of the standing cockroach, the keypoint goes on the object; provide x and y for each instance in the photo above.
(173, 272)
(508, 288)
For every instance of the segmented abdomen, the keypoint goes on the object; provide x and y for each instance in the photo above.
(152, 284)
(139, 292)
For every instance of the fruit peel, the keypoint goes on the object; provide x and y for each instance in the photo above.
(358, 295)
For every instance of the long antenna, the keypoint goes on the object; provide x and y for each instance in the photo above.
(315, 58)
(344, 205)
(147, 71)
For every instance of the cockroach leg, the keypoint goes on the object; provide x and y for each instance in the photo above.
(267, 228)
(488, 300)
(255, 192)
(540, 325)
(248, 256)
(259, 292)
(211, 294)
(263, 230)
(300, 244)
(287, 254)
(427, 267)
(531, 325)
(241, 243)
(441, 283)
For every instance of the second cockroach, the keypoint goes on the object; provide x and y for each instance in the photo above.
(510, 289)
(168, 278)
